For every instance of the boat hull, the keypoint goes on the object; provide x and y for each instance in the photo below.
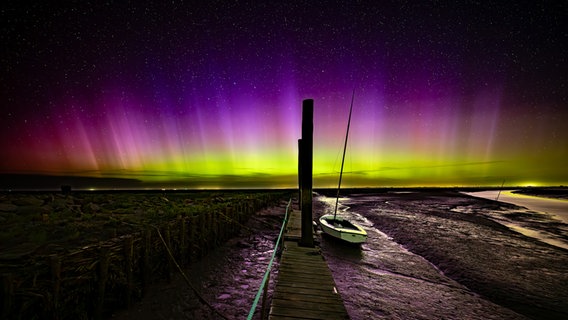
(342, 229)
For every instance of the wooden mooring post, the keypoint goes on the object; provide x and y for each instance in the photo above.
(305, 288)
(306, 163)
(300, 173)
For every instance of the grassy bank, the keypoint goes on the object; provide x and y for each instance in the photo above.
(81, 255)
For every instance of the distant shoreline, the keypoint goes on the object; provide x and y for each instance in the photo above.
(545, 192)
(53, 183)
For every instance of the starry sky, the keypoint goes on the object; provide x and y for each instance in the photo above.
(208, 94)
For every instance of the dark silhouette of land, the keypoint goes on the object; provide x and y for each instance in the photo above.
(49, 182)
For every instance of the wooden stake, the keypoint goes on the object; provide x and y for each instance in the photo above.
(307, 239)
(7, 284)
(104, 259)
(168, 238)
(192, 240)
(128, 252)
(147, 243)
(183, 240)
(55, 263)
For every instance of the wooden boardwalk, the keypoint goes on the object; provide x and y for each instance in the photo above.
(305, 288)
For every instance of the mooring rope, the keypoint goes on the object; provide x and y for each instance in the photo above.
(229, 219)
(249, 230)
(264, 280)
(199, 296)
(269, 268)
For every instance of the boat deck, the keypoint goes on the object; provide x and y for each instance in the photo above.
(305, 288)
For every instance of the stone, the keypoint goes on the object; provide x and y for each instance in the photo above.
(224, 296)
(28, 201)
(91, 208)
(8, 207)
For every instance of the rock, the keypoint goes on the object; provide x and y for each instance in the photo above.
(29, 210)
(242, 244)
(28, 201)
(59, 204)
(8, 207)
(91, 208)
(224, 296)
(7, 216)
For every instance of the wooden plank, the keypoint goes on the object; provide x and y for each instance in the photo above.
(295, 261)
(294, 226)
(323, 291)
(305, 313)
(295, 277)
(305, 288)
(302, 253)
(283, 295)
(332, 306)
(310, 267)
(305, 277)
(308, 295)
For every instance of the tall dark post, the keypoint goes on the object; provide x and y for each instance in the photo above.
(306, 163)
(300, 173)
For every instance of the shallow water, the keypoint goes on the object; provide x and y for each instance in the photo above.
(556, 207)
(541, 218)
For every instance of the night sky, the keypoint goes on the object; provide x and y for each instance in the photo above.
(208, 94)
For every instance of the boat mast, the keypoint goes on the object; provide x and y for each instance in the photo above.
(343, 158)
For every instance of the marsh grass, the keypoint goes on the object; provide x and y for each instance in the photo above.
(83, 255)
(79, 218)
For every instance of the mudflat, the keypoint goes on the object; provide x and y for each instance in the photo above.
(434, 255)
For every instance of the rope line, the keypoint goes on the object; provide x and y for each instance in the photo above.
(243, 227)
(269, 268)
(229, 219)
(194, 289)
(266, 274)
(199, 296)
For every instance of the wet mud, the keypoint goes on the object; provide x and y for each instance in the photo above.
(228, 278)
(428, 258)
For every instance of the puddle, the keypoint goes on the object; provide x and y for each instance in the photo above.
(526, 222)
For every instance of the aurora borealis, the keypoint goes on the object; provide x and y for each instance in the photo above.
(208, 95)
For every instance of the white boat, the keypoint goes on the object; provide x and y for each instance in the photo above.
(337, 226)
(343, 229)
